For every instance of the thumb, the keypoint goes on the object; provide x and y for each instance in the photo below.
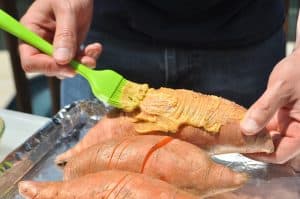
(261, 112)
(65, 38)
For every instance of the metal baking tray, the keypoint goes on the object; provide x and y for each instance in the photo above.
(34, 160)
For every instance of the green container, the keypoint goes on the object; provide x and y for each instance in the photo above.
(2, 126)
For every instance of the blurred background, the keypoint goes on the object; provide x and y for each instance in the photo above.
(34, 93)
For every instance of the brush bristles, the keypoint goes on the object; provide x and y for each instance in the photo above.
(128, 95)
(115, 99)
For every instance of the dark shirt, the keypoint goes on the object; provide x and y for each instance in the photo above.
(190, 23)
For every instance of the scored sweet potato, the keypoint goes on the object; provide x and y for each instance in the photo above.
(230, 138)
(209, 122)
(174, 161)
(231, 195)
(167, 109)
(107, 184)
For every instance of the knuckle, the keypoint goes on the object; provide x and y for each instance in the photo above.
(27, 67)
(261, 112)
(285, 86)
(282, 90)
(65, 33)
(63, 7)
(48, 69)
(264, 106)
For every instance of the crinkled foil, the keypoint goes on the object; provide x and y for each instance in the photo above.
(267, 181)
(34, 160)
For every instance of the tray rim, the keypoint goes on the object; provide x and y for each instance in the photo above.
(27, 155)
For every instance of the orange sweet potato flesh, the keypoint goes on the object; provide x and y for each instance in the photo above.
(177, 162)
(107, 184)
(167, 109)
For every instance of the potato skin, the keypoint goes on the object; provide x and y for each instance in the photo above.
(107, 184)
(230, 139)
(177, 162)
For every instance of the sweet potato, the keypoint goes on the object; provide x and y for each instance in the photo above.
(107, 184)
(165, 110)
(230, 195)
(174, 161)
(230, 138)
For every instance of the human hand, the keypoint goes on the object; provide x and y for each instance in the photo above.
(65, 24)
(278, 109)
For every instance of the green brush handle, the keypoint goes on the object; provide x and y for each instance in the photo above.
(12, 26)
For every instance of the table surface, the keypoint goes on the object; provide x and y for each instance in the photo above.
(18, 127)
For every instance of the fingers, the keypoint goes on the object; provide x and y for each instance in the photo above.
(40, 19)
(286, 150)
(90, 54)
(33, 61)
(93, 50)
(65, 38)
(261, 112)
(61, 24)
(273, 123)
(287, 144)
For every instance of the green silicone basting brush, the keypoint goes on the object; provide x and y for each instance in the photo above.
(107, 85)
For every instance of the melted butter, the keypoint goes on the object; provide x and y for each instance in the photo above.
(167, 109)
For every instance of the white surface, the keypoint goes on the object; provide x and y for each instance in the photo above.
(18, 127)
(7, 87)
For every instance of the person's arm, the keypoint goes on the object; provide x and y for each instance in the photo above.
(278, 109)
(65, 24)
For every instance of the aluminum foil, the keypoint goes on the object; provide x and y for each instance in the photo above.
(34, 160)
(267, 181)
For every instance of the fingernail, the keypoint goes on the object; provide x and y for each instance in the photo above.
(60, 77)
(249, 126)
(68, 75)
(62, 54)
(63, 76)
